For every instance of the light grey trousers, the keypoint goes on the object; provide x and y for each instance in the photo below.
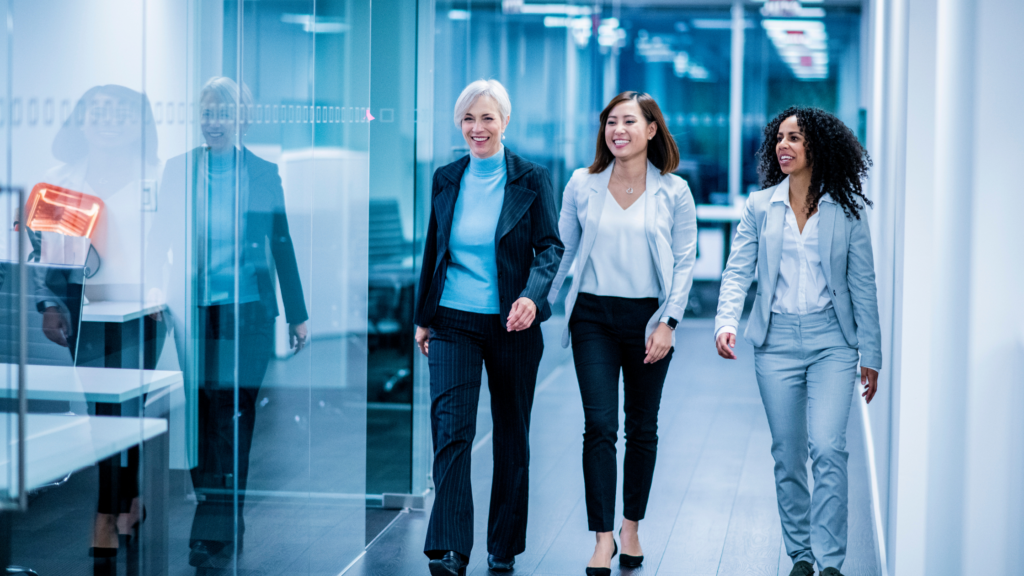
(807, 373)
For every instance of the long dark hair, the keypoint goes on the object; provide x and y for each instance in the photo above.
(661, 151)
(70, 144)
(839, 164)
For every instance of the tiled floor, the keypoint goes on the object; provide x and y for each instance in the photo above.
(712, 508)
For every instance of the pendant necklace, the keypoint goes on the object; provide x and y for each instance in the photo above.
(630, 189)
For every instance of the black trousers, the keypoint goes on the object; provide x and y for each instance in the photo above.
(608, 336)
(214, 477)
(461, 344)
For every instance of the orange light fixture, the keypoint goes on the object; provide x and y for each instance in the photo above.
(54, 209)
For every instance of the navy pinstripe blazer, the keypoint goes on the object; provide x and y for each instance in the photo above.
(526, 239)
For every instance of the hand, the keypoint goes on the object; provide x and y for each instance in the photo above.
(725, 343)
(423, 340)
(55, 326)
(522, 314)
(659, 343)
(297, 336)
(869, 380)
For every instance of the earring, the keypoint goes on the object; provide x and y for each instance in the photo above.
(502, 135)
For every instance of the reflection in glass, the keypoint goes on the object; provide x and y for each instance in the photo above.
(239, 238)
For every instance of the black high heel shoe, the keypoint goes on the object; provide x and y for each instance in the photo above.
(627, 561)
(604, 571)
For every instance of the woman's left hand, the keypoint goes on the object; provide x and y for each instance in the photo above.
(868, 379)
(297, 335)
(522, 314)
(659, 343)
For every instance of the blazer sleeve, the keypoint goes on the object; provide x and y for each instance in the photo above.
(570, 231)
(428, 261)
(860, 275)
(547, 247)
(739, 271)
(284, 256)
(684, 252)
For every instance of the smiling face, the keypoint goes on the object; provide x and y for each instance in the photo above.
(110, 123)
(791, 147)
(482, 126)
(627, 132)
(218, 123)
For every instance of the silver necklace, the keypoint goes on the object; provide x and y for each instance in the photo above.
(629, 190)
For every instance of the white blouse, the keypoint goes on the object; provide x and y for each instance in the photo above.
(620, 263)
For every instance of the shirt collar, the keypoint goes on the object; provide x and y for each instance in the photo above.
(781, 194)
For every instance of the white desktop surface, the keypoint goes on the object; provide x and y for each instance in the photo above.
(118, 312)
(718, 213)
(109, 385)
(57, 445)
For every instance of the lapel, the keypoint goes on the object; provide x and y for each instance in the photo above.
(773, 238)
(517, 198)
(826, 228)
(595, 204)
(444, 200)
(653, 189)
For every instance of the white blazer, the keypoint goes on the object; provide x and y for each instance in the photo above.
(671, 224)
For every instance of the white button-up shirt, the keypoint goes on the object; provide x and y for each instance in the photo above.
(801, 287)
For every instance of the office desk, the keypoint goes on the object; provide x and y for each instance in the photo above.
(57, 445)
(99, 385)
(111, 332)
(724, 215)
(114, 391)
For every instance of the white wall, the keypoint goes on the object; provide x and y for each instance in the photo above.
(960, 355)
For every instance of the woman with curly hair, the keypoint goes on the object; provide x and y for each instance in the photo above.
(815, 316)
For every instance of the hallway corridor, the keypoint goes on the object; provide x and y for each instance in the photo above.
(712, 509)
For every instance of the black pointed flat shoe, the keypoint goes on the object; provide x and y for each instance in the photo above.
(451, 564)
(499, 564)
(604, 571)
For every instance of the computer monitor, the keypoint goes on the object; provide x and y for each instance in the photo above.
(54, 312)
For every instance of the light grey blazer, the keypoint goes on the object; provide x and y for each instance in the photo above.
(844, 245)
(671, 224)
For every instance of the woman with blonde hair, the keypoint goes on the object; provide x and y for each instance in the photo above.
(491, 252)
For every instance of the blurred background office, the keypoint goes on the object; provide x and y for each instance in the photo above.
(351, 100)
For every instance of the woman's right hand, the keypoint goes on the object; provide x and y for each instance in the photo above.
(423, 340)
(725, 343)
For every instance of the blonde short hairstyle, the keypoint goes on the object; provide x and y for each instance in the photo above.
(491, 88)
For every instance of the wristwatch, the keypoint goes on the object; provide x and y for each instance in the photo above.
(670, 322)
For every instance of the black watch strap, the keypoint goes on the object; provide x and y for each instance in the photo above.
(672, 323)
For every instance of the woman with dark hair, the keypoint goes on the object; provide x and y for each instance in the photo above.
(815, 316)
(108, 148)
(631, 226)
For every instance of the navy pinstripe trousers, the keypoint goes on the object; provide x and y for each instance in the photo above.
(461, 344)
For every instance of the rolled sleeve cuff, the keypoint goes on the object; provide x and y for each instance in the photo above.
(726, 329)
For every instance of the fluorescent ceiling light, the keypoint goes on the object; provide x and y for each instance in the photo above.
(802, 45)
(458, 14)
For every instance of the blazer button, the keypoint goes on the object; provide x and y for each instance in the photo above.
(834, 293)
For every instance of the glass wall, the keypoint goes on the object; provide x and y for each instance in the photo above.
(197, 182)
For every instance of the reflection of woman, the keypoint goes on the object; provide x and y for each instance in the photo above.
(491, 252)
(631, 226)
(815, 309)
(238, 222)
(108, 146)
(109, 149)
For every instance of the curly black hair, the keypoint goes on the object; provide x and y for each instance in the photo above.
(839, 164)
